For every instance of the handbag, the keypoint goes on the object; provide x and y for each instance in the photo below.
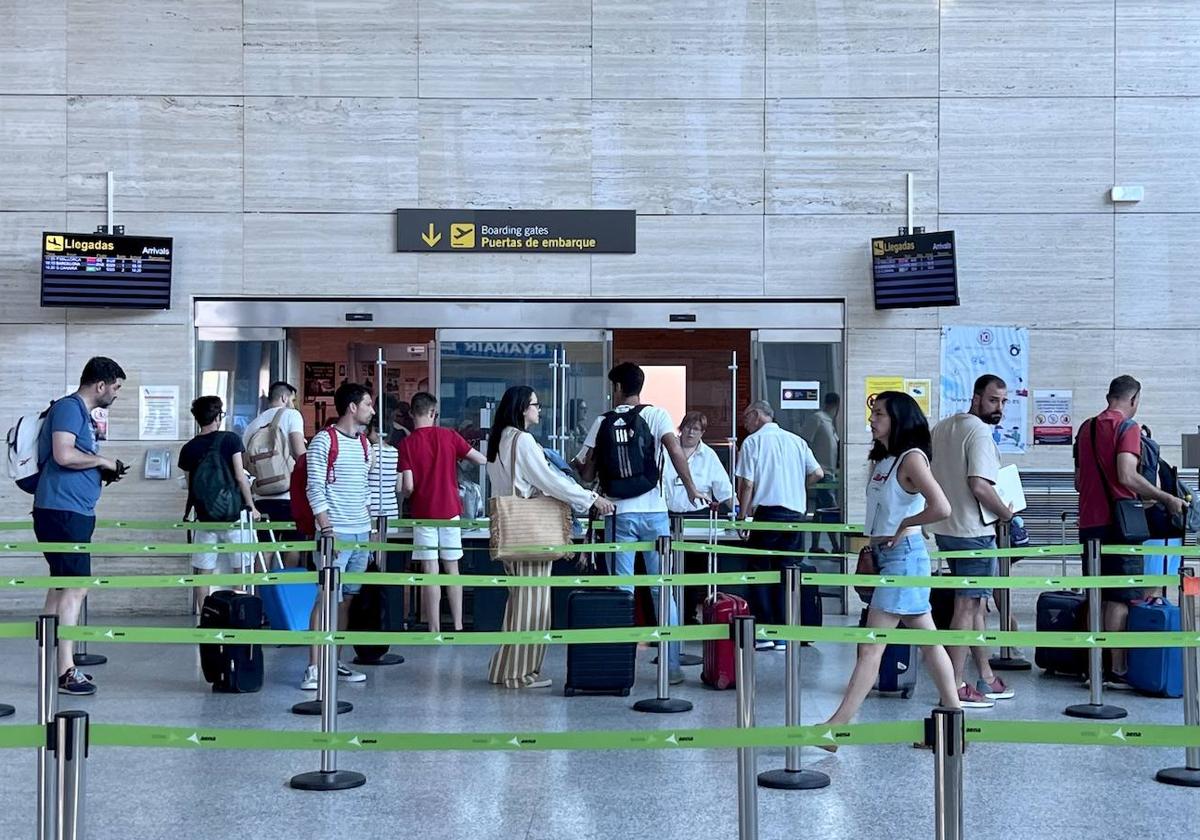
(868, 564)
(518, 522)
(1129, 515)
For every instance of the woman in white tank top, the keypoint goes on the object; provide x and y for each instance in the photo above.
(902, 495)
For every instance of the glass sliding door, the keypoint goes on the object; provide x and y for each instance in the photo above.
(238, 365)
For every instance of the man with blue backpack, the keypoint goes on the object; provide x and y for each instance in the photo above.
(70, 474)
(624, 450)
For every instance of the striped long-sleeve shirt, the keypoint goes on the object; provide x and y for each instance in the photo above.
(344, 497)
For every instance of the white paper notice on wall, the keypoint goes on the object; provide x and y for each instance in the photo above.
(794, 394)
(158, 412)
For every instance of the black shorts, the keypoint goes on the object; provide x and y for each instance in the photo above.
(1113, 564)
(65, 526)
(278, 510)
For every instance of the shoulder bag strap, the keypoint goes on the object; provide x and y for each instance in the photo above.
(512, 468)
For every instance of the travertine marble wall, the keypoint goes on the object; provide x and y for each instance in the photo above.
(761, 141)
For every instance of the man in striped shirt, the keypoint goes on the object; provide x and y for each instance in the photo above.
(338, 461)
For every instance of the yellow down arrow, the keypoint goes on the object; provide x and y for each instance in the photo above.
(431, 238)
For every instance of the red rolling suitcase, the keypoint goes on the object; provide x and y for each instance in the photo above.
(718, 671)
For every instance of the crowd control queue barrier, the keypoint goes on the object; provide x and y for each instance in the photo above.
(944, 731)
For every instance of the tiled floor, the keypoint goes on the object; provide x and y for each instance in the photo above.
(1028, 791)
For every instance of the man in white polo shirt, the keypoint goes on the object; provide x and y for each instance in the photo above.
(774, 470)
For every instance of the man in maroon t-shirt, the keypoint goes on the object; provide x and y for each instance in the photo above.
(428, 463)
(1117, 450)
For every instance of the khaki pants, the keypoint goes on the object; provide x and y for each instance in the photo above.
(528, 609)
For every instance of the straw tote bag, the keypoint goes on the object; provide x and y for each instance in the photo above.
(517, 522)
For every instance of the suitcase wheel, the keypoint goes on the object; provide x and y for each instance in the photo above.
(568, 692)
(625, 692)
(906, 693)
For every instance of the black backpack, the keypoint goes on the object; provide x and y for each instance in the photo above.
(625, 455)
(212, 490)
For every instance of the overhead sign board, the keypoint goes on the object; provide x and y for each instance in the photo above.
(914, 270)
(101, 270)
(517, 231)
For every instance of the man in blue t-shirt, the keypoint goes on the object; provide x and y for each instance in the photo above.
(64, 506)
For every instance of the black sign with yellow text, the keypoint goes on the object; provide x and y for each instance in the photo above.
(518, 231)
(914, 270)
(102, 270)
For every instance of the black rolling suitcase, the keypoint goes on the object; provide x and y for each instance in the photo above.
(600, 668)
(897, 669)
(1063, 612)
(232, 669)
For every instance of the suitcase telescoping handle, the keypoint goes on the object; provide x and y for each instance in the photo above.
(712, 555)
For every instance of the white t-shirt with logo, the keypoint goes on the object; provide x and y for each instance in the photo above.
(292, 421)
(660, 424)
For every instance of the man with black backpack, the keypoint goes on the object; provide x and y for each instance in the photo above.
(218, 490)
(624, 450)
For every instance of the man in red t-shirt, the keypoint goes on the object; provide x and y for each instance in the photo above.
(428, 463)
(1117, 450)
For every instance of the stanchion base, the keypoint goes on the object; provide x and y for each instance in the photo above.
(1010, 663)
(386, 659)
(6, 710)
(662, 705)
(1095, 711)
(685, 659)
(793, 780)
(89, 659)
(313, 707)
(1181, 776)
(337, 780)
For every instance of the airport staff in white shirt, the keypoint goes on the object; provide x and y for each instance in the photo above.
(707, 471)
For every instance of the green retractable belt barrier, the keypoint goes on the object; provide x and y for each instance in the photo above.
(989, 638)
(956, 582)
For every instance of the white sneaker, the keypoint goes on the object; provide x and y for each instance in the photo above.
(309, 683)
(346, 675)
(764, 644)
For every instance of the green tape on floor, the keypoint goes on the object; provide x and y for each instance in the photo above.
(955, 582)
(18, 630)
(133, 548)
(22, 735)
(117, 735)
(987, 638)
(206, 636)
(1085, 734)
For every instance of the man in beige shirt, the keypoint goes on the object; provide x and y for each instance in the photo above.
(966, 463)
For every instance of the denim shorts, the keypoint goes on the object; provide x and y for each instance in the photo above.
(970, 566)
(908, 557)
(351, 560)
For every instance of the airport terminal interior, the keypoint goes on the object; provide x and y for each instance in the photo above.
(839, 217)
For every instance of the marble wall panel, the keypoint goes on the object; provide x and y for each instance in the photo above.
(1156, 271)
(33, 47)
(318, 48)
(1170, 402)
(496, 49)
(308, 154)
(192, 48)
(20, 270)
(1157, 141)
(504, 275)
(677, 49)
(688, 256)
(875, 352)
(684, 157)
(1027, 48)
(839, 48)
(851, 155)
(168, 153)
(33, 152)
(1026, 155)
(35, 375)
(1158, 48)
(503, 154)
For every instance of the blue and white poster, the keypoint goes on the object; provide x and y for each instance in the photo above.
(970, 352)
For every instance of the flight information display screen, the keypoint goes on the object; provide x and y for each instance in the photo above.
(914, 270)
(101, 270)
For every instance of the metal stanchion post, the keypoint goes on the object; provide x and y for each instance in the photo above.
(664, 703)
(70, 753)
(743, 642)
(329, 777)
(330, 586)
(381, 529)
(677, 568)
(1095, 709)
(792, 777)
(1007, 660)
(47, 705)
(946, 738)
(81, 656)
(1189, 622)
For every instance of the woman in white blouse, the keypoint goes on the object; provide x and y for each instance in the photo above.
(707, 470)
(519, 666)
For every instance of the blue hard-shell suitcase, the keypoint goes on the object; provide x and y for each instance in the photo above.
(1157, 671)
(288, 606)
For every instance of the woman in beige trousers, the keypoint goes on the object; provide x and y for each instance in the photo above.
(516, 462)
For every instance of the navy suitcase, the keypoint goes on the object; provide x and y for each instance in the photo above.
(897, 670)
(600, 668)
(232, 669)
(1062, 612)
(1156, 671)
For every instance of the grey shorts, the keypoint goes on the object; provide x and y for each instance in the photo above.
(970, 566)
